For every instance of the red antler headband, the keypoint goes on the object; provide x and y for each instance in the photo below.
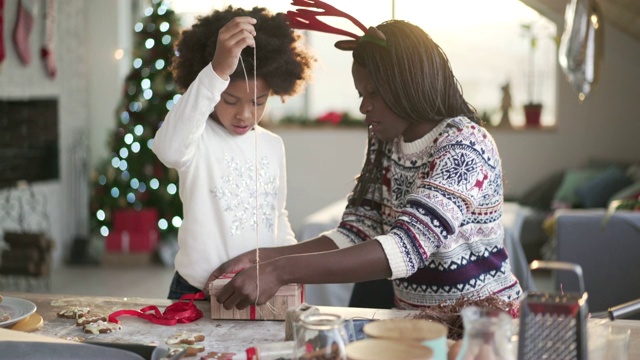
(306, 19)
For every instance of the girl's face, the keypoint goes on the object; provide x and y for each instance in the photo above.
(236, 110)
(383, 122)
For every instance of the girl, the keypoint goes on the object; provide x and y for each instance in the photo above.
(212, 139)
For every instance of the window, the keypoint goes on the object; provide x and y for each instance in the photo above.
(485, 41)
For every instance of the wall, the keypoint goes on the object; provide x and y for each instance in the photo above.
(321, 163)
(20, 82)
(87, 86)
(605, 126)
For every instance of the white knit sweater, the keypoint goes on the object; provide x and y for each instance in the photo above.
(217, 182)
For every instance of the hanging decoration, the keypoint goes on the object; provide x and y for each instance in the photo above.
(581, 47)
(2, 51)
(27, 11)
(46, 52)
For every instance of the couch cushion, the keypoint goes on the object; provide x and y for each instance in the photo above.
(566, 195)
(596, 192)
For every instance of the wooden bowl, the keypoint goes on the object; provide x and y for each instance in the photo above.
(406, 329)
(381, 349)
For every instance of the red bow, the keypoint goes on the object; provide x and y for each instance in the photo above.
(178, 312)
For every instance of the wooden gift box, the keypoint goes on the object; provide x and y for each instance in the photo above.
(289, 296)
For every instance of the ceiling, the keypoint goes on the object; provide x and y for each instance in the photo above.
(623, 14)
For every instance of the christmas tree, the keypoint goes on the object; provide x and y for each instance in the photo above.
(132, 178)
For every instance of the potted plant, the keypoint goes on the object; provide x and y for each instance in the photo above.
(532, 109)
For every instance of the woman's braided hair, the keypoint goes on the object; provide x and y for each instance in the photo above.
(414, 77)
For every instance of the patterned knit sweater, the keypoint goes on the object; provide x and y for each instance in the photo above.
(438, 217)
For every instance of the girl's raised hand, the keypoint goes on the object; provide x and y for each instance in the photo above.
(232, 38)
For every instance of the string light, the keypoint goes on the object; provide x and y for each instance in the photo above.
(139, 182)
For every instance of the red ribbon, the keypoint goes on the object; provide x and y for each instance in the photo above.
(178, 312)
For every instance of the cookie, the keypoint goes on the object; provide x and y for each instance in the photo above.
(4, 316)
(171, 353)
(88, 319)
(218, 356)
(193, 350)
(189, 350)
(74, 312)
(101, 327)
(75, 338)
(184, 338)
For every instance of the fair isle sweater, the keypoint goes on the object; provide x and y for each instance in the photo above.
(217, 173)
(438, 217)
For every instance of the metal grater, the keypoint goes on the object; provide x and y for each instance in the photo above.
(554, 326)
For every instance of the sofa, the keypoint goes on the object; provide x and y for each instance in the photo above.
(594, 185)
(577, 219)
(607, 247)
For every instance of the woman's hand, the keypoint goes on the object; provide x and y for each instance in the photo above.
(232, 38)
(245, 289)
(231, 266)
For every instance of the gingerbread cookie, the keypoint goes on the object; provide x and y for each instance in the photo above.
(4, 316)
(75, 338)
(185, 339)
(186, 350)
(88, 319)
(218, 356)
(74, 312)
(171, 353)
(101, 327)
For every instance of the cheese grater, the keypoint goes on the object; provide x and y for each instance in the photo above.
(554, 326)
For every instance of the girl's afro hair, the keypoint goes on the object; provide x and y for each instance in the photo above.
(281, 63)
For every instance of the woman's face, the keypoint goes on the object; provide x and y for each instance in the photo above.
(383, 122)
(237, 111)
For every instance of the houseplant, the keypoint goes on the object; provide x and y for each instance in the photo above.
(532, 109)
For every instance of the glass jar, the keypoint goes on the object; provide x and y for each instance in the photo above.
(487, 335)
(321, 337)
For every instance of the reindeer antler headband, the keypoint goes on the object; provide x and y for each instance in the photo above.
(306, 19)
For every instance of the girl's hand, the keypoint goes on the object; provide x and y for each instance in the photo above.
(232, 38)
(243, 290)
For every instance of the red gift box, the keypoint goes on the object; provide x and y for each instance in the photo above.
(133, 231)
(132, 241)
(135, 220)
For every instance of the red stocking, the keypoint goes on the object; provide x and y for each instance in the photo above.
(24, 24)
(49, 39)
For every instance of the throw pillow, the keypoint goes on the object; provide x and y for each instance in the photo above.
(566, 195)
(596, 192)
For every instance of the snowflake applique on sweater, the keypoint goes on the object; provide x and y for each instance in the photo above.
(238, 195)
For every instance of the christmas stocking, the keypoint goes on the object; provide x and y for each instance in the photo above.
(27, 10)
(49, 39)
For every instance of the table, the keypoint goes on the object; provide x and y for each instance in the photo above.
(220, 335)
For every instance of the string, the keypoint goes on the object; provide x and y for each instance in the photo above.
(255, 121)
(255, 130)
